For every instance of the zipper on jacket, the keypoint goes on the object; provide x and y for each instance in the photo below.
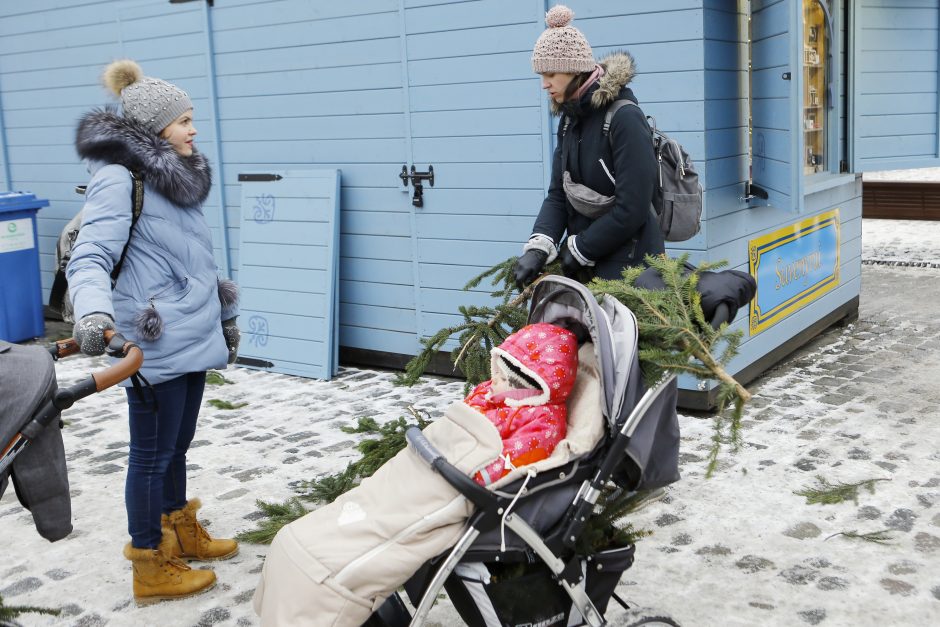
(167, 289)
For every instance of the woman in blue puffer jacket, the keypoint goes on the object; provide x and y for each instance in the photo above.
(167, 298)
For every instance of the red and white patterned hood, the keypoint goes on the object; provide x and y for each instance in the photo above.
(545, 353)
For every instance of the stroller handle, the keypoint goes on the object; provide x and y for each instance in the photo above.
(133, 358)
(64, 398)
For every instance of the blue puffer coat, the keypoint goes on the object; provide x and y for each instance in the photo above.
(168, 297)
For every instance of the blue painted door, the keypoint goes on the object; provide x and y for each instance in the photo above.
(287, 276)
(476, 113)
(895, 84)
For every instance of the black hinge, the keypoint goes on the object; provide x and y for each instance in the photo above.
(259, 177)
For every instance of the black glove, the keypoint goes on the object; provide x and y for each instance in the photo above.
(528, 266)
(89, 333)
(232, 338)
(570, 266)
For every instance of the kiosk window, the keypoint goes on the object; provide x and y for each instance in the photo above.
(815, 87)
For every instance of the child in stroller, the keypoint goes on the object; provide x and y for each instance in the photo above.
(342, 564)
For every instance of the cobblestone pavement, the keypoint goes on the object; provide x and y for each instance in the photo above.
(860, 402)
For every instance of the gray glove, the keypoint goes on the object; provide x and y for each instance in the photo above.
(232, 337)
(89, 333)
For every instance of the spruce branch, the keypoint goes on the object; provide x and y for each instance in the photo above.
(878, 537)
(674, 336)
(274, 516)
(827, 493)
(373, 453)
(9, 612)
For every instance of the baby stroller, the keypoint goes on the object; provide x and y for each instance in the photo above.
(539, 520)
(33, 454)
(343, 563)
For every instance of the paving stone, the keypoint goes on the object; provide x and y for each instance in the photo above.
(868, 512)
(715, 549)
(57, 574)
(832, 583)
(753, 564)
(91, 620)
(667, 519)
(898, 587)
(683, 539)
(901, 519)
(813, 617)
(926, 543)
(803, 531)
(799, 575)
(27, 584)
(213, 617)
(905, 567)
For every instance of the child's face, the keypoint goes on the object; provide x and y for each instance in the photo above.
(507, 377)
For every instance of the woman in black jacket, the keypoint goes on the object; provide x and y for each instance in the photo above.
(602, 186)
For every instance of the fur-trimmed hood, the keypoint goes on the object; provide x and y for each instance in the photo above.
(105, 136)
(619, 70)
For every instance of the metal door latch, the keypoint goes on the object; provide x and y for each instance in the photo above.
(416, 177)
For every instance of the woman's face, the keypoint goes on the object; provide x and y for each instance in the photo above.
(180, 133)
(556, 83)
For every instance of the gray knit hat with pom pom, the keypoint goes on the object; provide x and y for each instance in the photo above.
(562, 48)
(151, 101)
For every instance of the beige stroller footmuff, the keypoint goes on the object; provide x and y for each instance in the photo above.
(338, 563)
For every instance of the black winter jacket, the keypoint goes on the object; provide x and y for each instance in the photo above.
(628, 232)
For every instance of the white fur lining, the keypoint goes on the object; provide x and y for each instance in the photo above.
(541, 399)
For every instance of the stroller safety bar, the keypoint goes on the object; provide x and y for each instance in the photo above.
(475, 493)
(132, 358)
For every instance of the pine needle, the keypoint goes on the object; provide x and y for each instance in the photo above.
(276, 515)
(220, 404)
(608, 527)
(831, 493)
(878, 537)
(9, 612)
(216, 378)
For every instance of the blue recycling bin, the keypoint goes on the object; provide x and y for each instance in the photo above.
(21, 313)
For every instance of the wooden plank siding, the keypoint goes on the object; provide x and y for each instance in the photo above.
(51, 58)
(365, 87)
(896, 64)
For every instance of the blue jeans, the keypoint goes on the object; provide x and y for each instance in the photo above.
(156, 473)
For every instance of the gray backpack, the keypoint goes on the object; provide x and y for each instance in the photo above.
(677, 198)
(59, 301)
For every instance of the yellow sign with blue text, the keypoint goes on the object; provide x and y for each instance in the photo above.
(793, 266)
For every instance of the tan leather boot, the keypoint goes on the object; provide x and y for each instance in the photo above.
(192, 541)
(158, 576)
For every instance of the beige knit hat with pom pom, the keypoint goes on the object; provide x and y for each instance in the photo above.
(562, 48)
(150, 101)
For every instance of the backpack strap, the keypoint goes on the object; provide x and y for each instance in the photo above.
(614, 107)
(137, 206)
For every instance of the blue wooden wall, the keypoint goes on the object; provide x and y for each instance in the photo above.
(895, 84)
(368, 86)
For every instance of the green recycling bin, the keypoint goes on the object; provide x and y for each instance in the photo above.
(20, 285)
